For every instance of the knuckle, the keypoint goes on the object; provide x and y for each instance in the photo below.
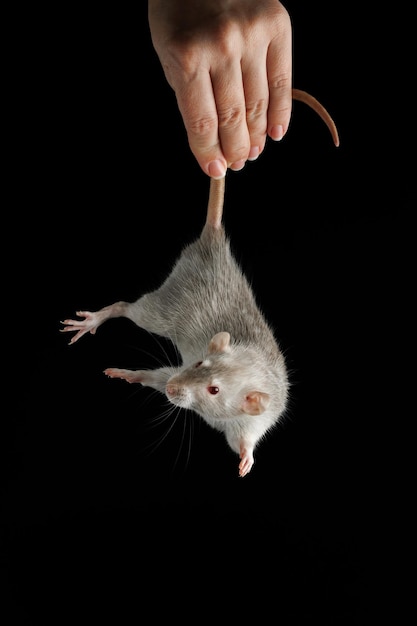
(227, 36)
(256, 113)
(202, 126)
(231, 117)
(183, 57)
(279, 83)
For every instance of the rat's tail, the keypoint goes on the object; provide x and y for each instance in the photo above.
(305, 97)
(217, 186)
(215, 202)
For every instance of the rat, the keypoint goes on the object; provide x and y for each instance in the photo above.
(233, 372)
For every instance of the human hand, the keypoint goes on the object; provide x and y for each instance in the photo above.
(229, 63)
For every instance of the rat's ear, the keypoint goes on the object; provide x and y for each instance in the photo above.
(219, 343)
(255, 402)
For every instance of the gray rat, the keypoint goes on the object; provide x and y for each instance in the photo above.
(233, 373)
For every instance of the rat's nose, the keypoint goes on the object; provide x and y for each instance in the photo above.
(171, 390)
(178, 395)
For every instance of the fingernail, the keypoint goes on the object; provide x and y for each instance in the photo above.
(253, 153)
(239, 165)
(216, 169)
(277, 133)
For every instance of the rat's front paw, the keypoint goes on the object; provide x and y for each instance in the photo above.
(129, 375)
(246, 462)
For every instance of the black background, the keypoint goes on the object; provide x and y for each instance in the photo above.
(102, 514)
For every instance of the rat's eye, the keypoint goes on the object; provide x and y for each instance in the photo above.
(213, 390)
(198, 364)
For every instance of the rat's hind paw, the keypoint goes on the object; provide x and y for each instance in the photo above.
(89, 324)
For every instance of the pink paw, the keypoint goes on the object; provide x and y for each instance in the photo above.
(129, 375)
(88, 325)
(246, 462)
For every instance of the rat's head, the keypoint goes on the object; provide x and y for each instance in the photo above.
(230, 381)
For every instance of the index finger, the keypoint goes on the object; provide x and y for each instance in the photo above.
(197, 106)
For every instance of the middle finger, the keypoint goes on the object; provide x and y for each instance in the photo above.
(231, 111)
